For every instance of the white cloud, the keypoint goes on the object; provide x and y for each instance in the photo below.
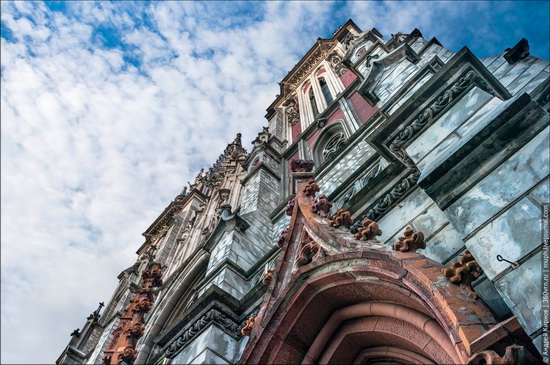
(93, 148)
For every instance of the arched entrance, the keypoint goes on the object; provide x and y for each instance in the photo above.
(356, 302)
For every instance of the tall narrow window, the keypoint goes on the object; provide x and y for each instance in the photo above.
(326, 91)
(313, 103)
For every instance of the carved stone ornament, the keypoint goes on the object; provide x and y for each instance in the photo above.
(301, 165)
(268, 276)
(368, 230)
(430, 113)
(292, 111)
(135, 331)
(395, 194)
(311, 188)
(309, 251)
(247, 329)
(282, 237)
(321, 206)
(341, 218)
(336, 63)
(194, 328)
(128, 355)
(464, 272)
(514, 355)
(290, 206)
(410, 242)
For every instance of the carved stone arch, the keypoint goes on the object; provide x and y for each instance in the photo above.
(328, 142)
(362, 303)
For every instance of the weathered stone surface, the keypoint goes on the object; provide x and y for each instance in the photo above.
(443, 245)
(487, 291)
(542, 192)
(212, 338)
(512, 235)
(400, 215)
(521, 290)
(496, 190)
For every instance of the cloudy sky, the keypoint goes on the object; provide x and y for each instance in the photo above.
(108, 109)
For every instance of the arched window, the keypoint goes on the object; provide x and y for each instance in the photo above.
(326, 92)
(329, 143)
(313, 103)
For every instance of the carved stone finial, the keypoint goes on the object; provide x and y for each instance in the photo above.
(268, 276)
(247, 329)
(514, 355)
(321, 206)
(301, 165)
(368, 230)
(76, 332)
(290, 206)
(136, 331)
(341, 218)
(282, 237)
(464, 272)
(410, 242)
(311, 188)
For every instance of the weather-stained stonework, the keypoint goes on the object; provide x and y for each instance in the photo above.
(389, 212)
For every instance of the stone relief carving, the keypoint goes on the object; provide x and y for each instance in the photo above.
(396, 193)
(336, 63)
(341, 218)
(301, 165)
(517, 53)
(292, 111)
(464, 272)
(430, 113)
(311, 188)
(194, 328)
(368, 230)
(321, 206)
(410, 242)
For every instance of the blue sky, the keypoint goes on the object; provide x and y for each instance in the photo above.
(109, 108)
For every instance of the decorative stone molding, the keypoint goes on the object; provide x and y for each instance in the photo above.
(292, 111)
(393, 196)
(336, 63)
(341, 218)
(311, 188)
(464, 272)
(320, 52)
(282, 237)
(321, 206)
(368, 230)
(213, 315)
(411, 241)
(247, 329)
(514, 355)
(301, 165)
(290, 206)
(424, 118)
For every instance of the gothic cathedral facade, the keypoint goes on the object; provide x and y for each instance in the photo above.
(390, 211)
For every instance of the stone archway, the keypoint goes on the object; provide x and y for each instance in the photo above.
(357, 302)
